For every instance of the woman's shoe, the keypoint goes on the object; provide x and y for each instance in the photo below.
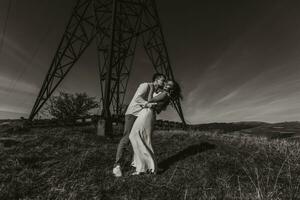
(135, 173)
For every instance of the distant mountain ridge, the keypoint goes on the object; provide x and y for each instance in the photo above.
(227, 127)
(289, 130)
(276, 130)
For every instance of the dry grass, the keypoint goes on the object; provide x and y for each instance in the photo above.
(73, 163)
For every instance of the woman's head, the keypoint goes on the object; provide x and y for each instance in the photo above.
(173, 88)
(169, 85)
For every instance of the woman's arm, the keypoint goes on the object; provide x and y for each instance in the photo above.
(160, 97)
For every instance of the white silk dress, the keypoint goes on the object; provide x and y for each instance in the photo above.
(141, 141)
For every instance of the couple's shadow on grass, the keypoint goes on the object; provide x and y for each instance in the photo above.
(187, 152)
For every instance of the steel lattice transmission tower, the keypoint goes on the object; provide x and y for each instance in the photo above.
(115, 25)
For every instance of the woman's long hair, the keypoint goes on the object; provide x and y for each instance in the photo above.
(175, 92)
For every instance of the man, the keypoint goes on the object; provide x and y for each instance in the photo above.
(137, 103)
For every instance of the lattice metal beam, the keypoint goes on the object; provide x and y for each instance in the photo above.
(155, 46)
(117, 56)
(78, 35)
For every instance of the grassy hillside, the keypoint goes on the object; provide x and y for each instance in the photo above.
(73, 163)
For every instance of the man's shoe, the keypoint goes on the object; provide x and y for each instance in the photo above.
(117, 171)
(133, 164)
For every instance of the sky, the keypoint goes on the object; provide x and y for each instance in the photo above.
(236, 60)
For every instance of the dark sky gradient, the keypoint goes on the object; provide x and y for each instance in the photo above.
(235, 60)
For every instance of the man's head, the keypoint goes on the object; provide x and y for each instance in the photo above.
(158, 80)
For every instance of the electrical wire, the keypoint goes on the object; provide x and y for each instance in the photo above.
(15, 81)
(5, 25)
(24, 70)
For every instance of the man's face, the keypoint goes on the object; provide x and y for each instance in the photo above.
(160, 82)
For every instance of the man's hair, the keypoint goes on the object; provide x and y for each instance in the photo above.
(157, 76)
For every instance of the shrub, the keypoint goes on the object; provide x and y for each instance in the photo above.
(67, 106)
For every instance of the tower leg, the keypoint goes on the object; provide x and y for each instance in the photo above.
(155, 46)
(116, 43)
(77, 37)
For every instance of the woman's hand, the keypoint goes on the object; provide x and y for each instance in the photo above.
(150, 105)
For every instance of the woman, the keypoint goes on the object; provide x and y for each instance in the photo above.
(141, 132)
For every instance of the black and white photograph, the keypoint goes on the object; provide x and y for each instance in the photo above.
(149, 100)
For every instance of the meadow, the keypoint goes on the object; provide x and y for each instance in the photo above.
(74, 163)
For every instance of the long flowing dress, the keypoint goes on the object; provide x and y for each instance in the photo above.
(141, 137)
(141, 141)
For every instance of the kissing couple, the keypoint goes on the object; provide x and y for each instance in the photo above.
(148, 101)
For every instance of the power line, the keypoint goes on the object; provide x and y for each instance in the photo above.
(30, 63)
(24, 70)
(5, 25)
(14, 82)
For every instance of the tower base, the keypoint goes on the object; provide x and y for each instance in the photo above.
(104, 127)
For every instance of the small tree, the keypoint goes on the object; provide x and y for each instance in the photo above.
(68, 106)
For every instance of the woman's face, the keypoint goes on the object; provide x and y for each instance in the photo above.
(169, 85)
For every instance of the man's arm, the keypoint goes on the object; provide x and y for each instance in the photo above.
(141, 91)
